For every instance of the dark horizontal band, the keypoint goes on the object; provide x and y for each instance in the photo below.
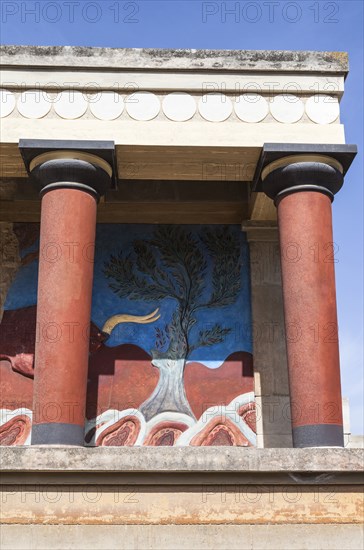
(313, 176)
(300, 188)
(64, 171)
(100, 153)
(273, 152)
(57, 433)
(318, 435)
(70, 185)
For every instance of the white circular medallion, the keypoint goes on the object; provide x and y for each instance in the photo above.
(7, 103)
(322, 109)
(70, 104)
(251, 107)
(34, 104)
(142, 105)
(106, 105)
(215, 107)
(287, 108)
(179, 106)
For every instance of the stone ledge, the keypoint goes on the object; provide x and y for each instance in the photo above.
(187, 60)
(187, 486)
(179, 460)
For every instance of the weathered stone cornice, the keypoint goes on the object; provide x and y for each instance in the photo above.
(249, 465)
(174, 115)
(183, 59)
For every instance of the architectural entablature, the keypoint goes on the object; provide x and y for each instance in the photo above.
(175, 116)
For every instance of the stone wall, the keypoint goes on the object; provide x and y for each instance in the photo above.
(168, 499)
(269, 347)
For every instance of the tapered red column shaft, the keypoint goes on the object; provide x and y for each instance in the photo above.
(308, 279)
(303, 179)
(68, 222)
(71, 176)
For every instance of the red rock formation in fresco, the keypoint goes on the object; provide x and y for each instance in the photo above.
(206, 387)
(165, 434)
(16, 431)
(123, 433)
(220, 432)
(248, 414)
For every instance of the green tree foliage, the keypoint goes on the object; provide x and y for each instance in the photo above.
(172, 264)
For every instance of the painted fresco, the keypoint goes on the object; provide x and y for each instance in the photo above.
(170, 338)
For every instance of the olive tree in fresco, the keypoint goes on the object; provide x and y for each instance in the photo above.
(173, 264)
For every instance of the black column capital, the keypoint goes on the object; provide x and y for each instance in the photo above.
(89, 166)
(289, 168)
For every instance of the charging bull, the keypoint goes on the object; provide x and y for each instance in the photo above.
(119, 376)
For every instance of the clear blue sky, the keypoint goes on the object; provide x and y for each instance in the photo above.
(303, 25)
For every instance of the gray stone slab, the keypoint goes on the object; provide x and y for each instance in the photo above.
(212, 60)
(178, 460)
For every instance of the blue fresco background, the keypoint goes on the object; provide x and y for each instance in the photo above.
(23, 291)
(111, 239)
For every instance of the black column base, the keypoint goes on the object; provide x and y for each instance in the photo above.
(318, 435)
(57, 433)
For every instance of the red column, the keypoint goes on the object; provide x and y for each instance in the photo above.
(71, 177)
(303, 188)
(68, 222)
(308, 279)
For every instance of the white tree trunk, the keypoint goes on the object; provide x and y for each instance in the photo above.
(169, 395)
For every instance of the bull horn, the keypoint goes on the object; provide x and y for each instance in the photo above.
(124, 318)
